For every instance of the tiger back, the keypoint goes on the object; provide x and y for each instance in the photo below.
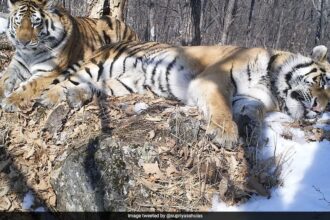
(47, 40)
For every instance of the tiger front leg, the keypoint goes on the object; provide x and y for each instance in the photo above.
(76, 94)
(212, 94)
(249, 114)
(27, 92)
(11, 78)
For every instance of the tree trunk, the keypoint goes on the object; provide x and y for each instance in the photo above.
(117, 8)
(114, 8)
(96, 8)
(321, 6)
(152, 20)
(227, 20)
(196, 8)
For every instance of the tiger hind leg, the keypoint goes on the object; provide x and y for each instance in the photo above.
(212, 92)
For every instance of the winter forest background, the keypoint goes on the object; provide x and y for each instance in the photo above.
(296, 25)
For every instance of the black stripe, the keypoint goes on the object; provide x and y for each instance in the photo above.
(153, 73)
(140, 47)
(101, 68)
(120, 50)
(271, 61)
(232, 78)
(52, 26)
(112, 93)
(74, 82)
(88, 71)
(288, 77)
(47, 59)
(108, 21)
(40, 70)
(22, 64)
(47, 26)
(93, 60)
(125, 32)
(168, 71)
(249, 72)
(126, 86)
(312, 71)
(107, 39)
(21, 77)
(303, 65)
(145, 49)
(146, 87)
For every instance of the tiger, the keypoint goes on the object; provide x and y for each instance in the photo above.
(47, 40)
(234, 87)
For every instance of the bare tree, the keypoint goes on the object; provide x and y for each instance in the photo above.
(320, 7)
(280, 24)
(113, 8)
(227, 20)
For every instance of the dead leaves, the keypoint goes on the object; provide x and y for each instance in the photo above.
(313, 134)
(153, 171)
(5, 204)
(171, 170)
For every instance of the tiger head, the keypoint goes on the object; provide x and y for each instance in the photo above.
(309, 92)
(34, 24)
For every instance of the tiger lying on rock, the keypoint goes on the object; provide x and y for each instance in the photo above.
(47, 40)
(233, 86)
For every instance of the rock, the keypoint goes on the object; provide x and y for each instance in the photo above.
(92, 178)
(56, 119)
(111, 172)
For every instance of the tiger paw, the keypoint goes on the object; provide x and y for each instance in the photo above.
(225, 136)
(78, 97)
(52, 96)
(13, 103)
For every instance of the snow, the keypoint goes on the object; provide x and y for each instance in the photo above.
(40, 209)
(140, 107)
(306, 179)
(3, 25)
(28, 200)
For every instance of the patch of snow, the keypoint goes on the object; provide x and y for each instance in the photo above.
(305, 174)
(40, 209)
(28, 201)
(324, 122)
(3, 25)
(140, 107)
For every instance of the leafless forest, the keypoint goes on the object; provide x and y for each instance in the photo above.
(297, 25)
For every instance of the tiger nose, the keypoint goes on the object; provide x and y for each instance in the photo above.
(24, 42)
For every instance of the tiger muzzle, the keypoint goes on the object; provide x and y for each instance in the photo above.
(25, 32)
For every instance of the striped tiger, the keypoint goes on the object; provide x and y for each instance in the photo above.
(48, 40)
(233, 86)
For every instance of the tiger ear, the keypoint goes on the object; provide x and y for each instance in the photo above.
(11, 3)
(49, 4)
(319, 53)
